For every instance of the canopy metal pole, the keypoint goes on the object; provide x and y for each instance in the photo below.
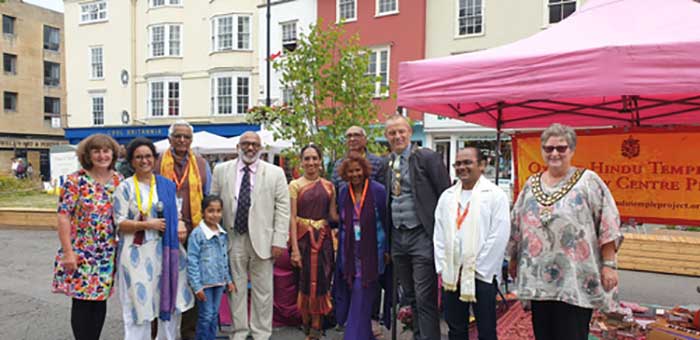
(499, 123)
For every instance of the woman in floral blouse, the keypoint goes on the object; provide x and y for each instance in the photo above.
(565, 233)
(84, 265)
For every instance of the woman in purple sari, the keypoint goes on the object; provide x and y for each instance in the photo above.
(313, 205)
(363, 251)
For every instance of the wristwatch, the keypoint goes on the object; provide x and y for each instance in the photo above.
(610, 264)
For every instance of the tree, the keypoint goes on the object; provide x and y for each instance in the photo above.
(331, 91)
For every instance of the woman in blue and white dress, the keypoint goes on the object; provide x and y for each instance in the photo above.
(152, 265)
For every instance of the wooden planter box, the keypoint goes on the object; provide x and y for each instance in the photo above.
(25, 218)
(671, 253)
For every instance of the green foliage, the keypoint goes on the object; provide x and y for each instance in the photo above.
(11, 184)
(331, 91)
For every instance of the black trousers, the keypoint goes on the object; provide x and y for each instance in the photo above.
(457, 312)
(87, 318)
(557, 320)
(414, 265)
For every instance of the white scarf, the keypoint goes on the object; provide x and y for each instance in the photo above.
(463, 253)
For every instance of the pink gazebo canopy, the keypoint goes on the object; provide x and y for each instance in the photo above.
(611, 63)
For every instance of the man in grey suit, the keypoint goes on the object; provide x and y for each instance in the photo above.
(256, 216)
(415, 179)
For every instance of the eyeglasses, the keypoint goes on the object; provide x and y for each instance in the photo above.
(551, 148)
(466, 162)
(183, 136)
(142, 157)
(246, 145)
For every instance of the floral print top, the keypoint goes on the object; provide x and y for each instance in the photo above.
(562, 260)
(88, 204)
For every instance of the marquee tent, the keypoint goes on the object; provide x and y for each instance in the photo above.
(268, 141)
(611, 63)
(204, 143)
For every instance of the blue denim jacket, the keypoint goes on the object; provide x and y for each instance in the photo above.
(207, 258)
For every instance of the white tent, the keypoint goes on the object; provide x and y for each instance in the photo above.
(268, 142)
(204, 143)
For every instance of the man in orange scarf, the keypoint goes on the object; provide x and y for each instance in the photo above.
(192, 176)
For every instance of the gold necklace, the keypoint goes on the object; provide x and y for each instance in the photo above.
(546, 201)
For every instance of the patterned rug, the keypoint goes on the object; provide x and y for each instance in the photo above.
(514, 323)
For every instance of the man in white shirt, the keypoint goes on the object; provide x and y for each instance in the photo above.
(472, 227)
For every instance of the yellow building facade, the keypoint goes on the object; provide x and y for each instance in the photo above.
(32, 84)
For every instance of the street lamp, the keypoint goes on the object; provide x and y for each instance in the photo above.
(267, 58)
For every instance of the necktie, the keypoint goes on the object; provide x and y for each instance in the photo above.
(241, 223)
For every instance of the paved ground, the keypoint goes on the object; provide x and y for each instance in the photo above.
(29, 311)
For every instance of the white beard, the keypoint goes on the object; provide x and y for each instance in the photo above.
(249, 160)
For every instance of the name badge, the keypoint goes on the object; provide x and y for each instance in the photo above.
(179, 204)
(356, 228)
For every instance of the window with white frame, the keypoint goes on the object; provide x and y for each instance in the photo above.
(231, 32)
(96, 62)
(160, 3)
(93, 12)
(387, 6)
(346, 9)
(243, 33)
(378, 66)
(164, 97)
(98, 109)
(560, 9)
(165, 40)
(289, 35)
(230, 93)
(470, 17)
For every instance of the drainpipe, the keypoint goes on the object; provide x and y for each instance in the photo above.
(132, 68)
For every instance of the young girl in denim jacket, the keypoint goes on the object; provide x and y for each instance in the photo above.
(208, 267)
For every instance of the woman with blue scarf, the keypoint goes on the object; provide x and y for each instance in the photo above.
(152, 265)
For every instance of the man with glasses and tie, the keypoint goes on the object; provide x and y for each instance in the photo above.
(256, 212)
(192, 176)
(415, 179)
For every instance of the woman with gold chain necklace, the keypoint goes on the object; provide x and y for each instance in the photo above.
(565, 234)
(152, 265)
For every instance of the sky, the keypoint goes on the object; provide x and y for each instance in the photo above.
(56, 5)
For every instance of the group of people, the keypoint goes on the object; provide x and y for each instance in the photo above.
(179, 232)
(22, 169)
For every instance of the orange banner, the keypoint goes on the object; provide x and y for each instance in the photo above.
(654, 174)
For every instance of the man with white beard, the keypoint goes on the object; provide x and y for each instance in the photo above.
(256, 216)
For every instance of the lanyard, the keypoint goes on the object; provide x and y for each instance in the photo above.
(144, 213)
(357, 208)
(462, 216)
(179, 182)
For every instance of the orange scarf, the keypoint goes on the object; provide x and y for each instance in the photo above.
(167, 170)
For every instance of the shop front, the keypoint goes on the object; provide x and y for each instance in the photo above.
(154, 132)
(32, 149)
(446, 136)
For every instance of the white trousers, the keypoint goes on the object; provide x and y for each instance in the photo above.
(167, 330)
(246, 263)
